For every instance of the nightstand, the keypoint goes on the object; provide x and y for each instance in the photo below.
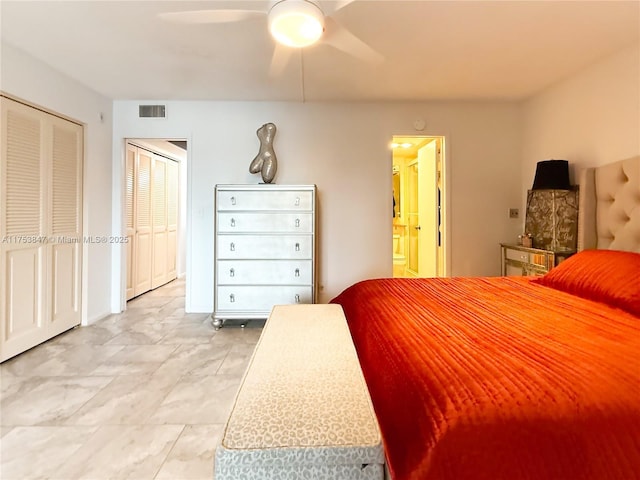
(518, 260)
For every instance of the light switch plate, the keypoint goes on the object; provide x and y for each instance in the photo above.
(514, 213)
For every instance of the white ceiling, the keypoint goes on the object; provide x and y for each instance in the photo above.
(433, 50)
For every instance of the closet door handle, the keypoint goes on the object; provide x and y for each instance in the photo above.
(232, 247)
(233, 200)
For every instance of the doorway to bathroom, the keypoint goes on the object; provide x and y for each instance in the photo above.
(419, 206)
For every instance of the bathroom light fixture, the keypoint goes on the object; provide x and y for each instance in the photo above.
(296, 23)
(402, 145)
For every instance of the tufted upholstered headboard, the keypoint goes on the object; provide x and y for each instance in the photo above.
(609, 213)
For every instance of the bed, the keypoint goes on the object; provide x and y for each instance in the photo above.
(514, 377)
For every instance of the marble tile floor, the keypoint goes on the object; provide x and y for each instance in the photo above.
(142, 395)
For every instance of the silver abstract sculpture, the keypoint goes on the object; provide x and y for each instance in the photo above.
(265, 162)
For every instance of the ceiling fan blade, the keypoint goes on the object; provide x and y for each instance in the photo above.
(280, 59)
(211, 16)
(331, 6)
(342, 39)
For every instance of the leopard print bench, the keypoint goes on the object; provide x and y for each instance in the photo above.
(303, 409)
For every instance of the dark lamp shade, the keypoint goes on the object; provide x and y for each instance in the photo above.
(552, 174)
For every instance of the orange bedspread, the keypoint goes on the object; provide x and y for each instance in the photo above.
(498, 378)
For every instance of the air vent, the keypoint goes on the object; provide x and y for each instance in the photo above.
(152, 111)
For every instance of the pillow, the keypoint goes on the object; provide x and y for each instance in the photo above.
(607, 276)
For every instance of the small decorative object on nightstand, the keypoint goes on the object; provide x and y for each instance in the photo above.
(518, 260)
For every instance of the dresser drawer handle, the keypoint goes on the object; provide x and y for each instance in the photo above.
(297, 273)
(524, 257)
(232, 247)
(233, 200)
(297, 203)
(297, 247)
(233, 222)
(232, 298)
(297, 298)
(297, 222)
(232, 272)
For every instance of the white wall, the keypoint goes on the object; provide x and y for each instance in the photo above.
(590, 119)
(24, 77)
(343, 149)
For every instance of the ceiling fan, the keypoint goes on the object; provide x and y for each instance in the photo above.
(294, 24)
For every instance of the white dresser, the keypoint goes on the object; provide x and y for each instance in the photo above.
(264, 249)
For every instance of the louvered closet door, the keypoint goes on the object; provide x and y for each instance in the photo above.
(23, 263)
(130, 228)
(64, 229)
(159, 208)
(143, 236)
(40, 227)
(172, 218)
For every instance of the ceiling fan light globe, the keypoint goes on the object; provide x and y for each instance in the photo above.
(296, 23)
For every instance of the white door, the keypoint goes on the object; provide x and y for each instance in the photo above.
(427, 211)
(143, 236)
(130, 223)
(151, 218)
(413, 218)
(172, 218)
(40, 227)
(64, 226)
(159, 225)
(22, 195)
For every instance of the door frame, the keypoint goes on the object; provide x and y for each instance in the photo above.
(184, 226)
(444, 153)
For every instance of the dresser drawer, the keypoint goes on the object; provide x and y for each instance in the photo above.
(265, 200)
(526, 257)
(517, 255)
(257, 247)
(265, 272)
(265, 222)
(252, 298)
